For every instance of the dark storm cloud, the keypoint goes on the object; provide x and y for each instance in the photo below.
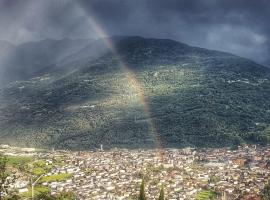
(237, 26)
(27, 20)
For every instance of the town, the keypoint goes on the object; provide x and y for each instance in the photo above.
(185, 174)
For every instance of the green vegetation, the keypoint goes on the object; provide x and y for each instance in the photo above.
(40, 167)
(195, 97)
(142, 195)
(40, 163)
(161, 195)
(41, 189)
(38, 190)
(57, 177)
(42, 192)
(39, 171)
(18, 160)
(61, 196)
(3, 174)
(206, 195)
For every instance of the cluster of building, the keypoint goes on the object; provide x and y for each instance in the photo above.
(118, 173)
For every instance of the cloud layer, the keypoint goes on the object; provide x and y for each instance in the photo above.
(237, 26)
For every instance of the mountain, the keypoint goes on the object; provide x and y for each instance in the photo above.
(35, 58)
(192, 97)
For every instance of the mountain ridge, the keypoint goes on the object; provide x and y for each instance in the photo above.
(196, 97)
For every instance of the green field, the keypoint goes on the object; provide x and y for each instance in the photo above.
(38, 189)
(18, 160)
(57, 177)
(206, 195)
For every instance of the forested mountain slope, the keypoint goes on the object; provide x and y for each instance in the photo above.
(195, 97)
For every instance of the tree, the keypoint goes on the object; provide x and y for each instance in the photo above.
(142, 195)
(3, 175)
(161, 194)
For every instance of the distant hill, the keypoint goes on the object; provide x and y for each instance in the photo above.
(196, 97)
(35, 58)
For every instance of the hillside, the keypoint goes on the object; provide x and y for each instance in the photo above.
(196, 97)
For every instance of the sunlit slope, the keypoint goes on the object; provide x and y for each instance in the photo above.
(196, 97)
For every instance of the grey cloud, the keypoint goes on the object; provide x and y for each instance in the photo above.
(237, 26)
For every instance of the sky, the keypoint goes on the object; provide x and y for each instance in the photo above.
(237, 26)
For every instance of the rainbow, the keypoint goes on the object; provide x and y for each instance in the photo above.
(131, 76)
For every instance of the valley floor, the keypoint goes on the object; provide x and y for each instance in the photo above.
(117, 174)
